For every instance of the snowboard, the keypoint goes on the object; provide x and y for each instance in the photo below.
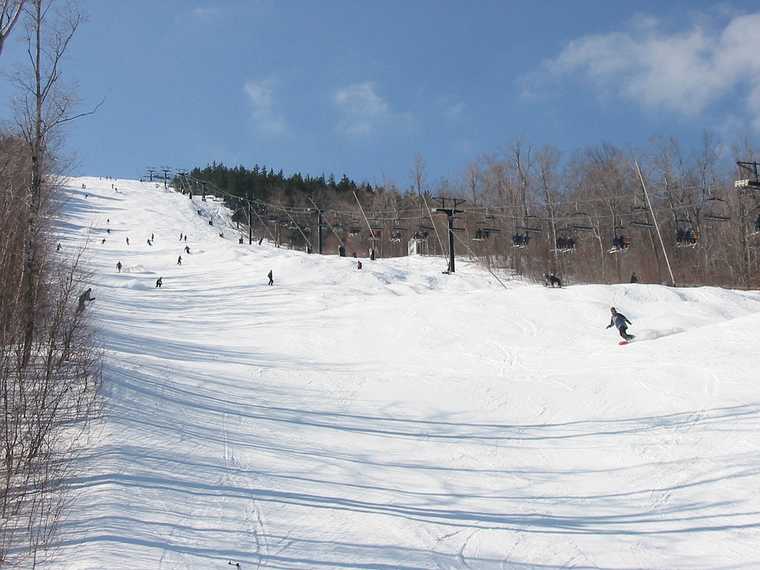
(624, 342)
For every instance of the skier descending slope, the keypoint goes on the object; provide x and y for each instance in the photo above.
(620, 321)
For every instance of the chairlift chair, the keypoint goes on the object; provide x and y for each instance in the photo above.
(581, 221)
(531, 224)
(716, 210)
(620, 243)
(752, 172)
(686, 236)
(640, 217)
(520, 240)
(565, 242)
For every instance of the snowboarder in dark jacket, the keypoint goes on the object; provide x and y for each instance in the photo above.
(84, 298)
(271, 279)
(159, 282)
(620, 321)
(118, 266)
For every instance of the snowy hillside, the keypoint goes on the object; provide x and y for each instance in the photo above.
(396, 417)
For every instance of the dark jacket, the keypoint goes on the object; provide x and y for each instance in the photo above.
(619, 320)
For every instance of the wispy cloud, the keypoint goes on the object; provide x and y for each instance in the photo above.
(261, 98)
(361, 108)
(204, 12)
(684, 72)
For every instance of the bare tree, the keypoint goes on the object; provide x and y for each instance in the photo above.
(10, 12)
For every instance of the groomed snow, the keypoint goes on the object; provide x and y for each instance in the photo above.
(396, 417)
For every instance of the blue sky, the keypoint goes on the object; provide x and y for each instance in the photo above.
(360, 87)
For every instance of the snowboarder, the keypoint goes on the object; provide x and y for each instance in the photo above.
(58, 247)
(152, 237)
(108, 220)
(620, 321)
(551, 280)
(187, 249)
(127, 241)
(180, 236)
(118, 266)
(150, 243)
(108, 230)
(372, 253)
(634, 277)
(83, 298)
(185, 238)
(179, 260)
(159, 282)
(358, 265)
(271, 279)
(103, 241)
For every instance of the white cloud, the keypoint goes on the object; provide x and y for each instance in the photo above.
(261, 97)
(204, 12)
(683, 72)
(362, 109)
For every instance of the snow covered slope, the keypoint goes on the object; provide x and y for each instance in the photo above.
(396, 417)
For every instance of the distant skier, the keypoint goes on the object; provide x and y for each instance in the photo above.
(260, 240)
(551, 280)
(108, 220)
(620, 321)
(152, 237)
(271, 279)
(118, 266)
(240, 240)
(180, 236)
(634, 277)
(103, 241)
(127, 241)
(58, 247)
(358, 265)
(179, 260)
(108, 230)
(185, 238)
(150, 243)
(159, 282)
(372, 253)
(84, 298)
(187, 249)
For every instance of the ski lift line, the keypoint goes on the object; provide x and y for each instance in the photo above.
(473, 254)
(657, 227)
(437, 235)
(371, 232)
(327, 222)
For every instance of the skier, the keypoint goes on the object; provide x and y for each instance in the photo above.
(83, 298)
(185, 237)
(179, 260)
(358, 265)
(118, 266)
(634, 277)
(58, 247)
(152, 237)
(271, 279)
(108, 230)
(127, 241)
(187, 249)
(103, 241)
(180, 236)
(159, 282)
(150, 243)
(620, 321)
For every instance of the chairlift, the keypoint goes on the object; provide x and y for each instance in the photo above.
(716, 210)
(641, 218)
(581, 221)
(531, 224)
(565, 242)
(686, 235)
(520, 240)
(752, 172)
(620, 243)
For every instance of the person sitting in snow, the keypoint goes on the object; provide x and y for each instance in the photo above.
(159, 282)
(620, 321)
